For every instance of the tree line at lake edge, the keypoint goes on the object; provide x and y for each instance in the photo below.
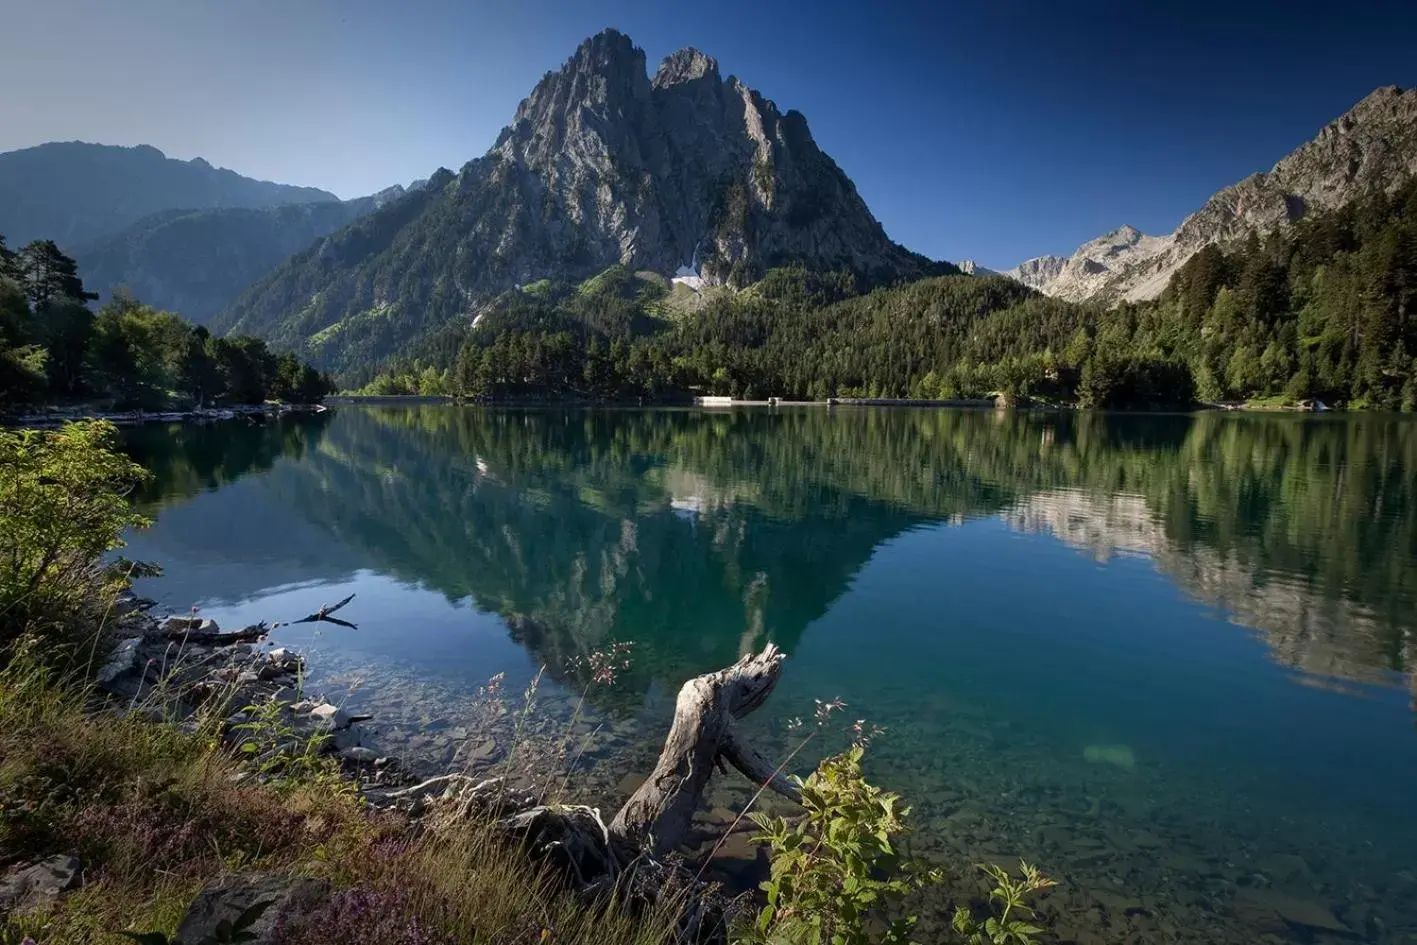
(128, 355)
(1321, 311)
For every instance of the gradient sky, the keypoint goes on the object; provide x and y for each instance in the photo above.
(995, 131)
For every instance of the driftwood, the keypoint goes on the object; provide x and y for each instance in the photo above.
(657, 818)
(251, 634)
(323, 614)
(628, 856)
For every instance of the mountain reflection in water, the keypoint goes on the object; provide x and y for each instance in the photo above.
(1081, 631)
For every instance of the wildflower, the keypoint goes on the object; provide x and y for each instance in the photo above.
(825, 709)
(606, 664)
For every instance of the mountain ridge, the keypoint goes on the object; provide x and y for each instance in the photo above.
(1372, 145)
(74, 192)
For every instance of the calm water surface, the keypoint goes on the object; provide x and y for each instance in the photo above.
(1168, 658)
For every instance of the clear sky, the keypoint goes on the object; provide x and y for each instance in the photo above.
(991, 130)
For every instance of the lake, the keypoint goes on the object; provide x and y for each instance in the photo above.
(1165, 657)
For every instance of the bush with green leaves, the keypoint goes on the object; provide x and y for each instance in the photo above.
(1014, 923)
(839, 870)
(63, 505)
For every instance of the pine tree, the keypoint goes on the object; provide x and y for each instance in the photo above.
(49, 276)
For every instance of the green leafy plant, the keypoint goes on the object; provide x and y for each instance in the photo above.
(839, 868)
(63, 505)
(226, 932)
(282, 753)
(1013, 925)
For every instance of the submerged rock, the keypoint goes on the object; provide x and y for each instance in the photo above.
(1269, 904)
(1118, 755)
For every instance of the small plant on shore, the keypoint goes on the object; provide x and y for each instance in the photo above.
(1013, 925)
(835, 871)
(63, 505)
(283, 754)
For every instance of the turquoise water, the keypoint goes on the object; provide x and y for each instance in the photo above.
(1165, 657)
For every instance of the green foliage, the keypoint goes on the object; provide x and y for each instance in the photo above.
(839, 868)
(1013, 924)
(131, 354)
(63, 504)
(1322, 311)
(270, 743)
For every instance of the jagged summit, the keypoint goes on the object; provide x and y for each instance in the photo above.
(686, 65)
(602, 164)
(1372, 146)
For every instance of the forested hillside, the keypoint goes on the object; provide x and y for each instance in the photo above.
(1322, 310)
(129, 355)
(196, 261)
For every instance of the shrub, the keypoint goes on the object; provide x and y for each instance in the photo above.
(1013, 925)
(63, 505)
(837, 869)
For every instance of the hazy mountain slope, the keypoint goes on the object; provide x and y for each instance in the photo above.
(196, 261)
(73, 192)
(683, 173)
(1371, 146)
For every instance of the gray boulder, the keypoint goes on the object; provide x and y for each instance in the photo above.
(39, 884)
(227, 899)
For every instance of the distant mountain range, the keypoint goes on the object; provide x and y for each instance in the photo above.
(1371, 146)
(682, 173)
(72, 192)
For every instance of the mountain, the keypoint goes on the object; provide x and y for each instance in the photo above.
(683, 173)
(1372, 146)
(196, 262)
(73, 192)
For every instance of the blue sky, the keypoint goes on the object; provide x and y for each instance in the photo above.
(996, 131)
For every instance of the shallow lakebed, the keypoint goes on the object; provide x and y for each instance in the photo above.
(1165, 657)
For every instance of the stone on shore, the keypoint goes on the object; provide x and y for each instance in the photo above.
(123, 659)
(39, 884)
(228, 898)
(199, 625)
(360, 756)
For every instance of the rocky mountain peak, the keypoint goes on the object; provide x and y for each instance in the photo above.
(686, 65)
(608, 51)
(685, 174)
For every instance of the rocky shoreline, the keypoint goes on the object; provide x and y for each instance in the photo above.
(57, 416)
(175, 667)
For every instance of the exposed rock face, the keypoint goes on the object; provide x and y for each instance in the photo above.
(286, 901)
(602, 165)
(647, 169)
(1373, 146)
(1037, 272)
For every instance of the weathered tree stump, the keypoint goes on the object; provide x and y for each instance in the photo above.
(628, 856)
(657, 817)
